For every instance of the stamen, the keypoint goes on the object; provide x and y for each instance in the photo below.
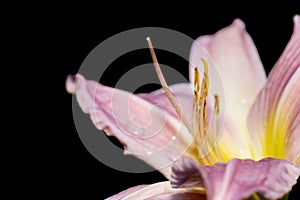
(196, 109)
(205, 136)
(205, 78)
(204, 90)
(204, 109)
(214, 128)
(202, 102)
(166, 87)
(196, 98)
(196, 80)
(199, 114)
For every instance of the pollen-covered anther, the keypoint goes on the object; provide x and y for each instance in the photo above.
(197, 87)
(205, 130)
(196, 81)
(216, 104)
(205, 83)
(199, 107)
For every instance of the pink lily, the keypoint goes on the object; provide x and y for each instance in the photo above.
(258, 151)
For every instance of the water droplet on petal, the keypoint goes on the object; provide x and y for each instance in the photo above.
(244, 101)
(242, 152)
(136, 132)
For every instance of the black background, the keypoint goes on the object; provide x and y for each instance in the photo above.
(71, 33)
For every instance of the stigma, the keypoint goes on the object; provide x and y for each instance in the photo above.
(203, 130)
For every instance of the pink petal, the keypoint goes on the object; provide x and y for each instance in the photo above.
(233, 53)
(238, 179)
(274, 120)
(179, 196)
(157, 191)
(183, 93)
(146, 131)
(126, 192)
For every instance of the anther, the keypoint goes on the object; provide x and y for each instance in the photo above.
(216, 104)
(205, 78)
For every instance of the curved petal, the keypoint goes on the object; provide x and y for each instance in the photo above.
(182, 92)
(157, 191)
(238, 179)
(275, 116)
(146, 131)
(233, 53)
(126, 192)
(187, 195)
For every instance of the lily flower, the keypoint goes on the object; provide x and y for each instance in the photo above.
(257, 153)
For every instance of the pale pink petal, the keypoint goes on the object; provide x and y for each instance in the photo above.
(188, 195)
(182, 92)
(157, 191)
(238, 179)
(126, 192)
(145, 130)
(275, 116)
(232, 54)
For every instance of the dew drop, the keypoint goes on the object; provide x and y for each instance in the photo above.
(244, 101)
(242, 152)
